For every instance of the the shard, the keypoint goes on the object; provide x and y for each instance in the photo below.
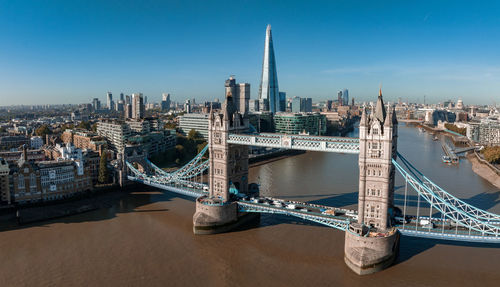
(268, 90)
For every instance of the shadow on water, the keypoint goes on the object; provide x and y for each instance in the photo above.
(411, 246)
(108, 206)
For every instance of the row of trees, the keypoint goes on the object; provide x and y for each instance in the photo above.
(456, 129)
(187, 147)
(492, 154)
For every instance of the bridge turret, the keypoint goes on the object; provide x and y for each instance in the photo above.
(228, 163)
(377, 140)
(228, 173)
(367, 252)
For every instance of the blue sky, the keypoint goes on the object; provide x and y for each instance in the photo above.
(72, 51)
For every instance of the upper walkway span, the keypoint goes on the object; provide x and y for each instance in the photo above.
(298, 142)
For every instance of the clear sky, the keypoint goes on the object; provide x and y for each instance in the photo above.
(73, 51)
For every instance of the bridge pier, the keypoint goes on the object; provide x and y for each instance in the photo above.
(212, 217)
(366, 254)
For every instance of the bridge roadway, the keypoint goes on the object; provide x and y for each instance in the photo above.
(338, 218)
(298, 142)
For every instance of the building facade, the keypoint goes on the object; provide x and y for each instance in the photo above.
(4, 182)
(49, 180)
(198, 122)
(300, 123)
(240, 93)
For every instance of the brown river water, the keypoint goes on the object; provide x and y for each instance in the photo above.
(146, 238)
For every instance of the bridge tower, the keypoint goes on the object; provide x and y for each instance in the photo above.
(228, 172)
(372, 244)
(377, 147)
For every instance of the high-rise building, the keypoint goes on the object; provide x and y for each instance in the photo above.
(240, 93)
(339, 98)
(127, 100)
(306, 105)
(128, 111)
(137, 106)
(268, 89)
(187, 106)
(96, 104)
(197, 122)
(109, 100)
(121, 97)
(296, 102)
(345, 96)
(165, 102)
(282, 103)
(253, 106)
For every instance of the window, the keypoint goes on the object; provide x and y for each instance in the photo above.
(375, 131)
(20, 181)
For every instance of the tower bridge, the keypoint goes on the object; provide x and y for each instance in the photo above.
(371, 233)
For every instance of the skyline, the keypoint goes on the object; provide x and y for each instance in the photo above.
(71, 53)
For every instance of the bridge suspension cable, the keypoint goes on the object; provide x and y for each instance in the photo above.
(458, 203)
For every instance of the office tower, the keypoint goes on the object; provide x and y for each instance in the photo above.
(296, 102)
(119, 106)
(109, 98)
(339, 98)
(240, 93)
(165, 102)
(121, 97)
(268, 89)
(128, 111)
(187, 106)
(282, 103)
(253, 105)
(306, 105)
(127, 100)
(345, 96)
(96, 104)
(329, 104)
(137, 106)
(145, 100)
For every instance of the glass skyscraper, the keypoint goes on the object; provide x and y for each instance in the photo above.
(268, 90)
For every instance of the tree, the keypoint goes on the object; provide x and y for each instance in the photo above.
(193, 135)
(202, 146)
(170, 126)
(94, 127)
(84, 125)
(180, 152)
(492, 154)
(43, 130)
(103, 169)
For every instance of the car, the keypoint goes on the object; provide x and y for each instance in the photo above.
(291, 206)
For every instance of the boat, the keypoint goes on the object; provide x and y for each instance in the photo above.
(435, 138)
(421, 130)
(446, 159)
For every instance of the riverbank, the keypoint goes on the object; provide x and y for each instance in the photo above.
(483, 170)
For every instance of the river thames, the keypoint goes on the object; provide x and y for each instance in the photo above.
(146, 237)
